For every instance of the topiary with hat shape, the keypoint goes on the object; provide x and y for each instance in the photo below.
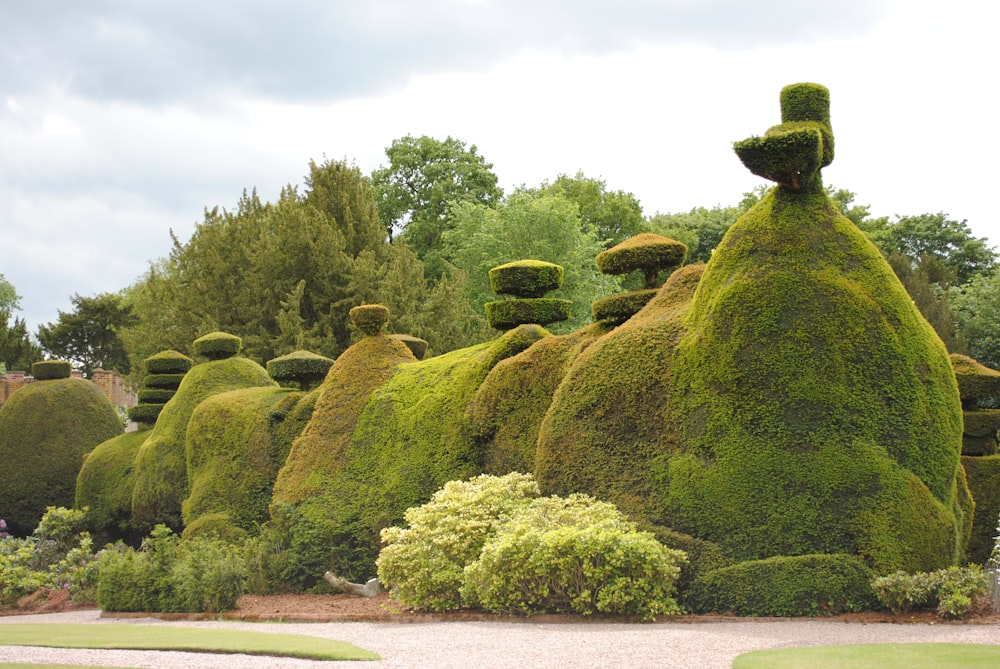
(526, 282)
(648, 253)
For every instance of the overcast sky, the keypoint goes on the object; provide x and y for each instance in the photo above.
(123, 120)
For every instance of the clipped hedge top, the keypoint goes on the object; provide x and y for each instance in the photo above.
(526, 278)
(508, 314)
(51, 369)
(217, 345)
(975, 380)
(645, 251)
(301, 366)
(417, 346)
(168, 362)
(370, 318)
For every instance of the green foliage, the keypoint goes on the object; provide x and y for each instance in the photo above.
(424, 562)
(45, 370)
(508, 314)
(160, 478)
(9, 299)
(155, 395)
(646, 252)
(167, 575)
(811, 394)
(233, 454)
(145, 414)
(17, 349)
(417, 346)
(572, 555)
(612, 215)
(370, 318)
(217, 345)
(105, 485)
(526, 278)
(303, 367)
(88, 335)
(984, 482)
(702, 556)
(620, 307)
(165, 381)
(168, 362)
(45, 429)
(423, 181)
(528, 225)
(976, 382)
(608, 423)
(952, 591)
(801, 585)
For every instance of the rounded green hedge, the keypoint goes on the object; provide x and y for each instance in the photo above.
(168, 362)
(104, 485)
(976, 381)
(801, 585)
(45, 430)
(417, 346)
(370, 318)
(51, 369)
(508, 314)
(145, 414)
(646, 251)
(217, 345)
(305, 367)
(620, 307)
(526, 278)
(163, 381)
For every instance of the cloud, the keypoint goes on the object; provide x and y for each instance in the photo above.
(314, 50)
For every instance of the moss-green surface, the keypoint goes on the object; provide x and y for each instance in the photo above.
(818, 409)
(234, 451)
(160, 476)
(105, 486)
(983, 474)
(608, 420)
(507, 411)
(975, 381)
(411, 437)
(46, 427)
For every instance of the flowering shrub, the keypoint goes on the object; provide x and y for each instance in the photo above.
(574, 554)
(424, 562)
(952, 590)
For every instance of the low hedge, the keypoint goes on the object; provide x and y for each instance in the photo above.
(45, 370)
(801, 585)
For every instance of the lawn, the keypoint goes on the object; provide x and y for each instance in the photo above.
(882, 656)
(159, 637)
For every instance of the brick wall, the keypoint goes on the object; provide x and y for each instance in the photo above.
(111, 384)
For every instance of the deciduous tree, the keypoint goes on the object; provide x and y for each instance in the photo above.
(88, 335)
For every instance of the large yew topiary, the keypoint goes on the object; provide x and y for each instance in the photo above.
(105, 486)
(818, 411)
(164, 373)
(160, 478)
(984, 482)
(527, 281)
(648, 253)
(46, 428)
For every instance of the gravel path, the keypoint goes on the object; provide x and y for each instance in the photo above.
(501, 645)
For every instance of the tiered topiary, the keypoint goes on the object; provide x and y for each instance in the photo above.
(646, 252)
(816, 409)
(46, 427)
(303, 368)
(979, 387)
(527, 281)
(164, 373)
(160, 476)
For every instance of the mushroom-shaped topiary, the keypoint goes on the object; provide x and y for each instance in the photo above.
(217, 345)
(646, 252)
(303, 367)
(168, 362)
(528, 280)
(793, 153)
(51, 369)
(417, 346)
(370, 318)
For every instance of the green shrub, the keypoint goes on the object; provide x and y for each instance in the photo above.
(51, 369)
(984, 482)
(620, 307)
(952, 591)
(648, 252)
(976, 382)
(417, 346)
(155, 395)
(703, 556)
(168, 362)
(508, 314)
(526, 278)
(104, 486)
(203, 574)
(164, 381)
(145, 414)
(573, 555)
(370, 318)
(801, 585)
(217, 345)
(303, 367)
(424, 562)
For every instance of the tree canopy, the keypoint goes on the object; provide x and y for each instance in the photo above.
(88, 335)
(17, 350)
(613, 216)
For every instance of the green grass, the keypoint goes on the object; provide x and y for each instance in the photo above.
(19, 665)
(158, 637)
(882, 656)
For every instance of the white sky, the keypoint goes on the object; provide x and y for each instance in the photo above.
(122, 121)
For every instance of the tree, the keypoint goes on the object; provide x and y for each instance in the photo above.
(17, 350)
(424, 179)
(977, 308)
(614, 216)
(88, 335)
(528, 225)
(9, 299)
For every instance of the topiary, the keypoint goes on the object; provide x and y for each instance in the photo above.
(527, 280)
(800, 585)
(164, 373)
(302, 367)
(105, 485)
(979, 388)
(649, 253)
(46, 427)
(417, 346)
(51, 369)
(370, 318)
(984, 482)
(217, 345)
(508, 314)
(168, 362)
